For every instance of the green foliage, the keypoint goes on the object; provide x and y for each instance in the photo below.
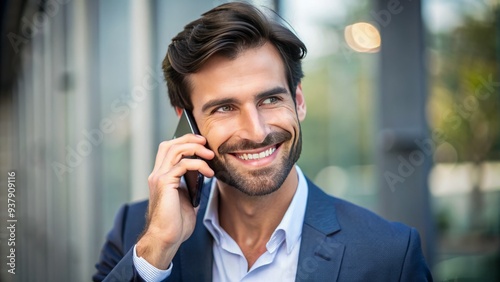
(464, 99)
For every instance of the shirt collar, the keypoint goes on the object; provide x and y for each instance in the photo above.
(289, 229)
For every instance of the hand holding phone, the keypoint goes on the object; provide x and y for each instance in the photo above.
(194, 179)
(171, 217)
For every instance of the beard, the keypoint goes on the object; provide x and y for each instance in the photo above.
(262, 181)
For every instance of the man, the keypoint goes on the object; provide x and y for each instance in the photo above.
(260, 219)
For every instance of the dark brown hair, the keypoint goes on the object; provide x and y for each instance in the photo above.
(227, 30)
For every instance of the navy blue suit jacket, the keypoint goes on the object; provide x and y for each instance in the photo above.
(340, 242)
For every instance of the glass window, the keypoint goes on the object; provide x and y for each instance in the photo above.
(464, 115)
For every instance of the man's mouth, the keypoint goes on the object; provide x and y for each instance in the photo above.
(256, 155)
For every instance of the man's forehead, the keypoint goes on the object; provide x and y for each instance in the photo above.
(221, 58)
(253, 71)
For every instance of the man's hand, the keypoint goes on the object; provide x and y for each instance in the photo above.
(171, 217)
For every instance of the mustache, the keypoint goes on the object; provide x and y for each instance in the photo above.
(271, 138)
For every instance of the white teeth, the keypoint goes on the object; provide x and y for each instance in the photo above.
(260, 155)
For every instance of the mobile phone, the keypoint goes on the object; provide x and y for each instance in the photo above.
(194, 179)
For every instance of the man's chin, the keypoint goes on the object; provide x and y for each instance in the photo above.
(255, 182)
(256, 189)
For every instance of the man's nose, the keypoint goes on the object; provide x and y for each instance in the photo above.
(252, 125)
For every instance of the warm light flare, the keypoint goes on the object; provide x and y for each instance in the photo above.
(362, 37)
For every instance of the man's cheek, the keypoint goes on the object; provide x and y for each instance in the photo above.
(286, 122)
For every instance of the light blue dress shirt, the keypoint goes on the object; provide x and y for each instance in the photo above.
(278, 263)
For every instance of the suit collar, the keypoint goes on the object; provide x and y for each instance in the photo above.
(320, 254)
(320, 212)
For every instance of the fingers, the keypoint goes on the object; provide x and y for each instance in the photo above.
(171, 178)
(171, 152)
(192, 164)
(165, 146)
(172, 162)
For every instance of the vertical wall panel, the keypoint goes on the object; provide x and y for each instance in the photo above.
(403, 165)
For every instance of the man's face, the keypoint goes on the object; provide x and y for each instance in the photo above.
(245, 110)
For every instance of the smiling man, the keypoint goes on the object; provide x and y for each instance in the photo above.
(260, 218)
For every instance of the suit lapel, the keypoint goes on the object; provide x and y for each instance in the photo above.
(320, 255)
(196, 255)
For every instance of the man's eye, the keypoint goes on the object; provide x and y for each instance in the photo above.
(270, 100)
(224, 109)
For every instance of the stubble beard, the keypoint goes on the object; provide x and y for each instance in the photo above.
(262, 181)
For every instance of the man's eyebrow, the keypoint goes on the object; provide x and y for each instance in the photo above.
(218, 102)
(226, 101)
(271, 92)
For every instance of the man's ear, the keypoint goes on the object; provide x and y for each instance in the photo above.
(178, 111)
(300, 103)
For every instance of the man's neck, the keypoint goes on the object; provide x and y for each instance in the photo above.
(251, 220)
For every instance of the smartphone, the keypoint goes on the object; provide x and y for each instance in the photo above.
(194, 179)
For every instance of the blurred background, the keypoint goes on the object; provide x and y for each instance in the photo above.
(403, 118)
